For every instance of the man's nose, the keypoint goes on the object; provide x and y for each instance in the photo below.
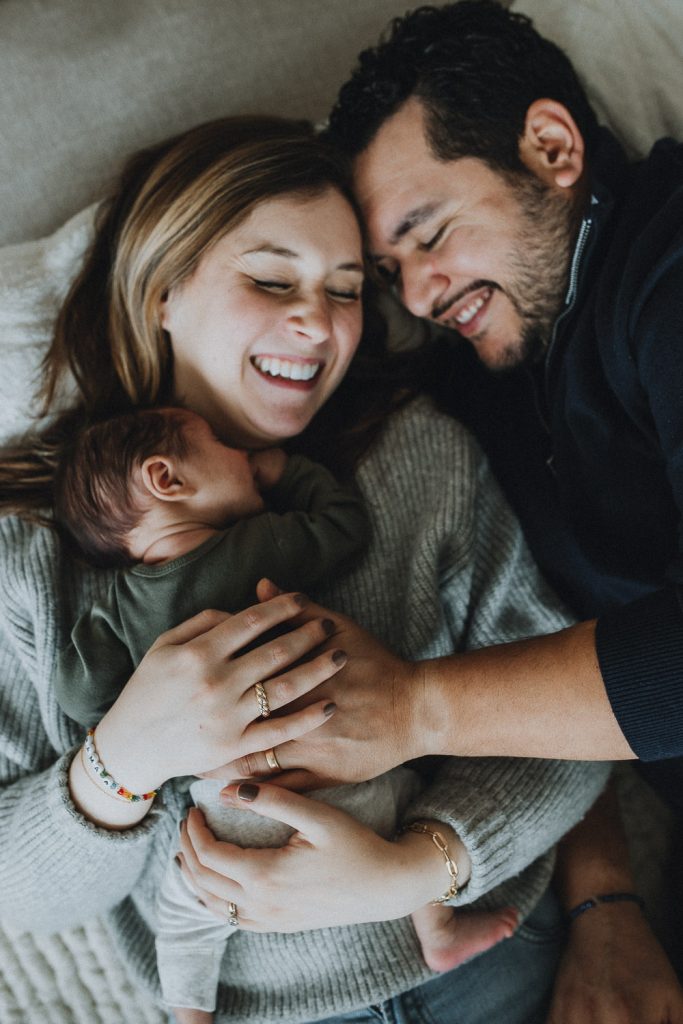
(422, 287)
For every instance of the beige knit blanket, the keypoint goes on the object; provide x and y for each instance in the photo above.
(73, 977)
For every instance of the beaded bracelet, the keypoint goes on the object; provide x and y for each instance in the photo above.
(442, 847)
(607, 897)
(115, 789)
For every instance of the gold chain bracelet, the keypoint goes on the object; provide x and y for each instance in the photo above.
(442, 846)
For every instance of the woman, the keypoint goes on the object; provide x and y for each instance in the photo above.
(227, 275)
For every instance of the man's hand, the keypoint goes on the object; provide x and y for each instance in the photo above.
(382, 718)
(614, 971)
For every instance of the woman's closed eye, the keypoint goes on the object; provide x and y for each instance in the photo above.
(338, 294)
(273, 286)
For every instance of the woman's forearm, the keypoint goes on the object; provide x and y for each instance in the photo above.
(542, 697)
(98, 806)
(59, 867)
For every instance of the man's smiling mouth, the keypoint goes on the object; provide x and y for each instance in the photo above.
(464, 312)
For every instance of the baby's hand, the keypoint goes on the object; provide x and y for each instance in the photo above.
(268, 466)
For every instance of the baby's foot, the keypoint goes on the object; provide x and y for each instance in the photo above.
(188, 1015)
(449, 937)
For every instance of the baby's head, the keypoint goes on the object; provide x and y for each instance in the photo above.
(126, 482)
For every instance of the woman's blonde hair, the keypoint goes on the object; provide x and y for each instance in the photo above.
(173, 202)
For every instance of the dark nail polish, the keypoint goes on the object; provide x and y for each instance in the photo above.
(248, 791)
(300, 599)
(329, 709)
(201, 902)
(339, 657)
(178, 860)
(328, 627)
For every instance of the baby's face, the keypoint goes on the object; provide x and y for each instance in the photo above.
(226, 489)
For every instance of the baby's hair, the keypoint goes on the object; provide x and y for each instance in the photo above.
(95, 503)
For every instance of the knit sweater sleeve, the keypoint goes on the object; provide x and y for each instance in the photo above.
(640, 645)
(53, 862)
(508, 812)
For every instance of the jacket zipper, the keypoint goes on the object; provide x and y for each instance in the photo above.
(570, 298)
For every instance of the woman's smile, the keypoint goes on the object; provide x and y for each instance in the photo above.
(285, 371)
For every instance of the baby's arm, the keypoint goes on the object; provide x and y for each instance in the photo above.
(317, 525)
(94, 666)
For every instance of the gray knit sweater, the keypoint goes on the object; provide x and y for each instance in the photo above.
(446, 570)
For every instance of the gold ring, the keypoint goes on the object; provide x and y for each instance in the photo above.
(232, 914)
(262, 698)
(271, 760)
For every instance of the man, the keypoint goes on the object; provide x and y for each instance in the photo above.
(498, 208)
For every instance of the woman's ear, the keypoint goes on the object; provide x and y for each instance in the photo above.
(552, 146)
(164, 479)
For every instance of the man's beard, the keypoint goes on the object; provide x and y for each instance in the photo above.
(539, 270)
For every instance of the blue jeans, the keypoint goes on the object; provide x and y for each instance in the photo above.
(511, 984)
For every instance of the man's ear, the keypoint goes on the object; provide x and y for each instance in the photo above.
(163, 478)
(552, 146)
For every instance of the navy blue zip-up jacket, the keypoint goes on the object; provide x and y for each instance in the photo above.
(589, 445)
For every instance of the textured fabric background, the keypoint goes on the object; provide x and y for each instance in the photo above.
(82, 84)
(628, 54)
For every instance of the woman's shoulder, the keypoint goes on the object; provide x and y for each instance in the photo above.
(22, 544)
(34, 570)
(29, 561)
(420, 433)
(423, 459)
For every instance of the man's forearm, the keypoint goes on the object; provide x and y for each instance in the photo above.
(542, 697)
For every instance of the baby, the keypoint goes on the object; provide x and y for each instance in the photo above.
(156, 494)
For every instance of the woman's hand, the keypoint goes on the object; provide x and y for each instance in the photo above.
(333, 871)
(191, 706)
(383, 717)
(614, 971)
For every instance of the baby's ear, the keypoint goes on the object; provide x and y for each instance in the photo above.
(162, 478)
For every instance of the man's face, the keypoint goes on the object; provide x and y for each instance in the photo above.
(465, 246)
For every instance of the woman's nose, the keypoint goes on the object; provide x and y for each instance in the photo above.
(310, 319)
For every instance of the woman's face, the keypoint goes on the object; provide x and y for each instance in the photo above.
(265, 329)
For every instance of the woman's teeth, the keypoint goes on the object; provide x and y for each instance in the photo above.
(284, 368)
(470, 311)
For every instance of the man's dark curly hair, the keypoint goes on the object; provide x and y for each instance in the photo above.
(476, 67)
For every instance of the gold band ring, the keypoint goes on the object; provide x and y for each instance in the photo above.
(262, 698)
(232, 915)
(271, 760)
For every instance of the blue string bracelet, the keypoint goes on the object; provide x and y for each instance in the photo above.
(607, 897)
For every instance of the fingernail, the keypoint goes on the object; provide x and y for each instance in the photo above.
(328, 627)
(300, 599)
(178, 860)
(201, 902)
(329, 709)
(247, 791)
(339, 657)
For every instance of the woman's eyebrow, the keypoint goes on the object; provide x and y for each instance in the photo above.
(276, 250)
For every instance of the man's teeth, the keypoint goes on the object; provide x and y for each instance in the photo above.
(284, 368)
(466, 314)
